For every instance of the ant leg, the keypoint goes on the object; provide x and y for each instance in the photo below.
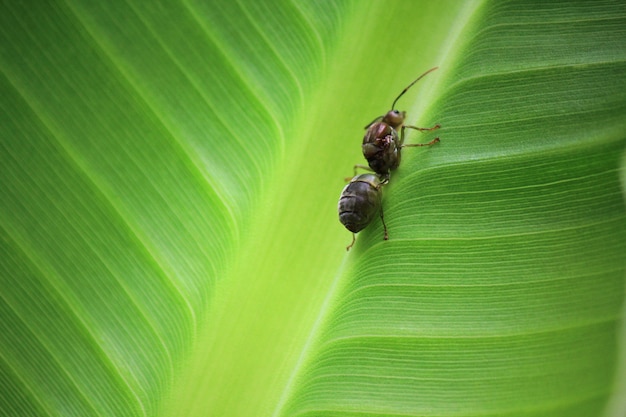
(421, 129)
(424, 129)
(382, 218)
(365, 167)
(378, 119)
(351, 244)
(432, 142)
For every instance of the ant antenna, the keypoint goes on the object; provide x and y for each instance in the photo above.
(411, 85)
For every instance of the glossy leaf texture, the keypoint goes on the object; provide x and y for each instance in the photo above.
(169, 242)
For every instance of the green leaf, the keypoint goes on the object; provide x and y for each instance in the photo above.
(169, 243)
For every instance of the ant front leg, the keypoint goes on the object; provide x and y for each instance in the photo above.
(424, 129)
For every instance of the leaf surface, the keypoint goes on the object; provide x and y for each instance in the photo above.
(169, 242)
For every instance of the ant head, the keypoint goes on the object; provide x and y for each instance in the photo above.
(394, 118)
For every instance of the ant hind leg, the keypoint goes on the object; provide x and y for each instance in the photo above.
(357, 166)
(365, 167)
(382, 218)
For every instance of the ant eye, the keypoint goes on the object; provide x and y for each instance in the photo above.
(396, 112)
